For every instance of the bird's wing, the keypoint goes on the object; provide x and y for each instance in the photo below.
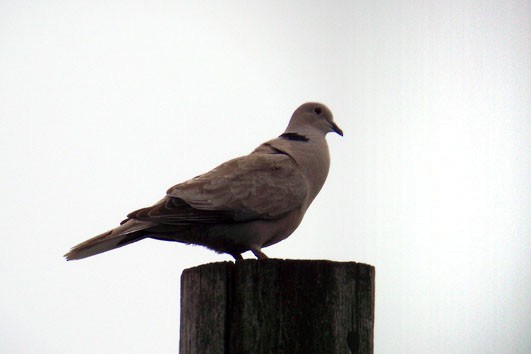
(256, 186)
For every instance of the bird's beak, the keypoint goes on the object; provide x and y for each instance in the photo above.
(336, 128)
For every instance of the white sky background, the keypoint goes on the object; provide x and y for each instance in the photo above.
(106, 104)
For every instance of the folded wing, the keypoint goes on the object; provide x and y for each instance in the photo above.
(256, 186)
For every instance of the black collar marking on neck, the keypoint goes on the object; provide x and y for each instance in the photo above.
(294, 136)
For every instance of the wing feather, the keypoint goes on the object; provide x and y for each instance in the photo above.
(256, 186)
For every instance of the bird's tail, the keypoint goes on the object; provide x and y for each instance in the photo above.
(130, 231)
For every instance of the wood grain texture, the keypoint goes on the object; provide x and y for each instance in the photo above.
(278, 306)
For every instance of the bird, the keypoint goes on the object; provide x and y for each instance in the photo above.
(244, 204)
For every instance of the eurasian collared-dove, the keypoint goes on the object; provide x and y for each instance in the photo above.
(244, 204)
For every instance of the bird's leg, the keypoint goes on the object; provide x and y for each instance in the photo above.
(259, 254)
(237, 256)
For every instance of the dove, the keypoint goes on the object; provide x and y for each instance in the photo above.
(244, 204)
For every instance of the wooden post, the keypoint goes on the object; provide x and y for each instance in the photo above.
(277, 306)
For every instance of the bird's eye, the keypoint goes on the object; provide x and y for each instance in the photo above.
(317, 110)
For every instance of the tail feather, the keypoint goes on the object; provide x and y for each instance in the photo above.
(130, 231)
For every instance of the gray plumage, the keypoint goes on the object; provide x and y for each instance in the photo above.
(244, 204)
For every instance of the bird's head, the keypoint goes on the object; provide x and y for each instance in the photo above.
(315, 115)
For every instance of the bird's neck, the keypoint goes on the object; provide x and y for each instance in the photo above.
(310, 151)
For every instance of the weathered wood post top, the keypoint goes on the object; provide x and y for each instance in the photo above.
(277, 306)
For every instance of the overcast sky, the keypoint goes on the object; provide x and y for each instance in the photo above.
(106, 104)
